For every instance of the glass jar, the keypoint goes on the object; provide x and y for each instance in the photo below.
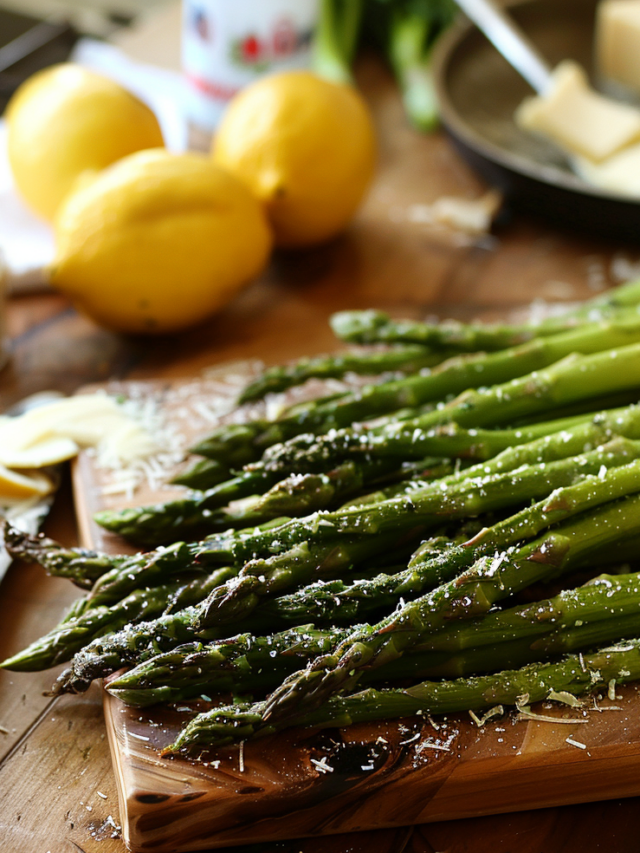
(227, 44)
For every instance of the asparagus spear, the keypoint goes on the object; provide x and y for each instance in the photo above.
(191, 516)
(241, 662)
(604, 610)
(71, 635)
(516, 389)
(336, 39)
(558, 439)
(308, 454)
(474, 592)
(414, 440)
(203, 474)
(81, 565)
(140, 565)
(407, 32)
(292, 496)
(575, 674)
(164, 522)
(421, 509)
(404, 359)
(368, 327)
(137, 642)
(143, 640)
(147, 571)
(344, 600)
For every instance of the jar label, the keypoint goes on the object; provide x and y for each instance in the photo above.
(227, 45)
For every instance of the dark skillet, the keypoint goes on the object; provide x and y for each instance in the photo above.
(479, 91)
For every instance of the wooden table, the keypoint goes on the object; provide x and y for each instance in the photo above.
(56, 784)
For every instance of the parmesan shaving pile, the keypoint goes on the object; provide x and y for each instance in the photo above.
(120, 435)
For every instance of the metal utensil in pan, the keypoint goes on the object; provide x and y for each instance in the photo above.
(479, 92)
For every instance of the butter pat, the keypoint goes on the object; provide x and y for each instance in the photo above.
(618, 42)
(578, 119)
(619, 173)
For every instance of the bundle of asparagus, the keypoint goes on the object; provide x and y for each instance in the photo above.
(380, 537)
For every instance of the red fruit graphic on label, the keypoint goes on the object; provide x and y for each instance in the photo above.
(251, 48)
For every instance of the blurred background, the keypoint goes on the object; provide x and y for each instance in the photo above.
(91, 16)
(49, 29)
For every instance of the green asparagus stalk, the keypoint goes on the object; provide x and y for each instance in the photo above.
(141, 641)
(243, 662)
(420, 510)
(358, 598)
(72, 635)
(160, 523)
(296, 495)
(369, 327)
(137, 642)
(161, 566)
(546, 449)
(558, 439)
(523, 382)
(301, 494)
(237, 599)
(151, 525)
(411, 440)
(336, 39)
(81, 565)
(403, 359)
(604, 610)
(575, 675)
(604, 599)
(203, 474)
(344, 600)
(472, 593)
(411, 37)
(188, 517)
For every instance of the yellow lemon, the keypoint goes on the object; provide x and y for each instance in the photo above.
(158, 241)
(305, 147)
(65, 120)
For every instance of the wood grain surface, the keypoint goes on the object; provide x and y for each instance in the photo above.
(385, 774)
(392, 773)
(57, 790)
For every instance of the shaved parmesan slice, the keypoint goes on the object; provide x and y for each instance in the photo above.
(15, 486)
(92, 429)
(49, 451)
(57, 419)
(127, 443)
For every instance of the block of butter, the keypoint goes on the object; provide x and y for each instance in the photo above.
(578, 119)
(619, 174)
(618, 42)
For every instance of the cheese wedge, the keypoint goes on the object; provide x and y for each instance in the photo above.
(619, 173)
(579, 120)
(618, 42)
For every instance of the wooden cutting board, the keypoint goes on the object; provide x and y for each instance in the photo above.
(307, 783)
